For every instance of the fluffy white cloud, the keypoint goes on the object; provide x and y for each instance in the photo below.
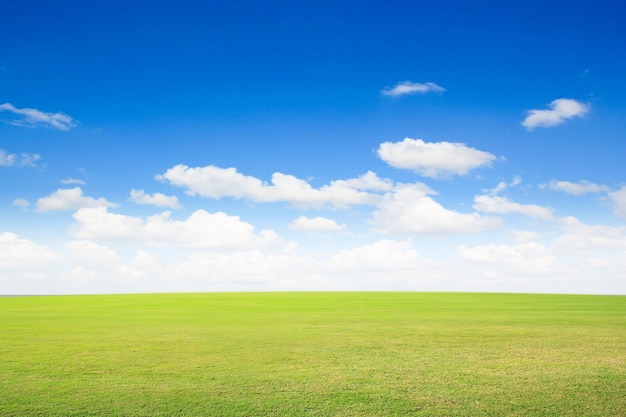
(410, 210)
(17, 253)
(70, 199)
(316, 224)
(157, 199)
(502, 205)
(215, 182)
(408, 87)
(579, 188)
(560, 110)
(19, 160)
(200, 230)
(433, 159)
(619, 199)
(34, 117)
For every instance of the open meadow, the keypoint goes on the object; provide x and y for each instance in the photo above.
(313, 354)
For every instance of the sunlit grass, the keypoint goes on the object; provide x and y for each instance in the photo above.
(317, 354)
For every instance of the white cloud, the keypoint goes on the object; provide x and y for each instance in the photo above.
(21, 202)
(157, 199)
(316, 224)
(384, 255)
(34, 118)
(561, 110)
(215, 182)
(511, 261)
(502, 185)
(583, 237)
(68, 181)
(408, 87)
(619, 199)
(409, 210)
(17, 253)
(433, 159)
(386, 264)
(523, 236)
(502, 205)
(579, 188)
(88, 252)
(19, 160)
(70, 199)
(200, 230)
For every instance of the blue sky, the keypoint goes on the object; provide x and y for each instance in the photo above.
(245, 146)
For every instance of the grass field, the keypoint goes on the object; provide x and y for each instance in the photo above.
(313, 354)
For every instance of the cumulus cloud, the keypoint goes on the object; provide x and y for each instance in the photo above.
(18, 160)
(17, 253)
(619, 199)
(34, 118)
(408, 87)
(214, 182)
(157, 199)
(560, 110)
(316, 224)
(579, 188)
(200, 230)
(502, 205)
(65, 199)
(433, 159)
(410, 210)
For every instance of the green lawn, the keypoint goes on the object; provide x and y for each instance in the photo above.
(313, 354)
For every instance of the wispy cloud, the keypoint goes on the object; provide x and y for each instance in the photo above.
(18, 160)
(579, 188)
(433, 159)
(502, 205)
(560, 110)
(73, 181)
(408, 87)
(35, 118)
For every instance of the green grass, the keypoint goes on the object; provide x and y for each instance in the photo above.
(313, 354)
